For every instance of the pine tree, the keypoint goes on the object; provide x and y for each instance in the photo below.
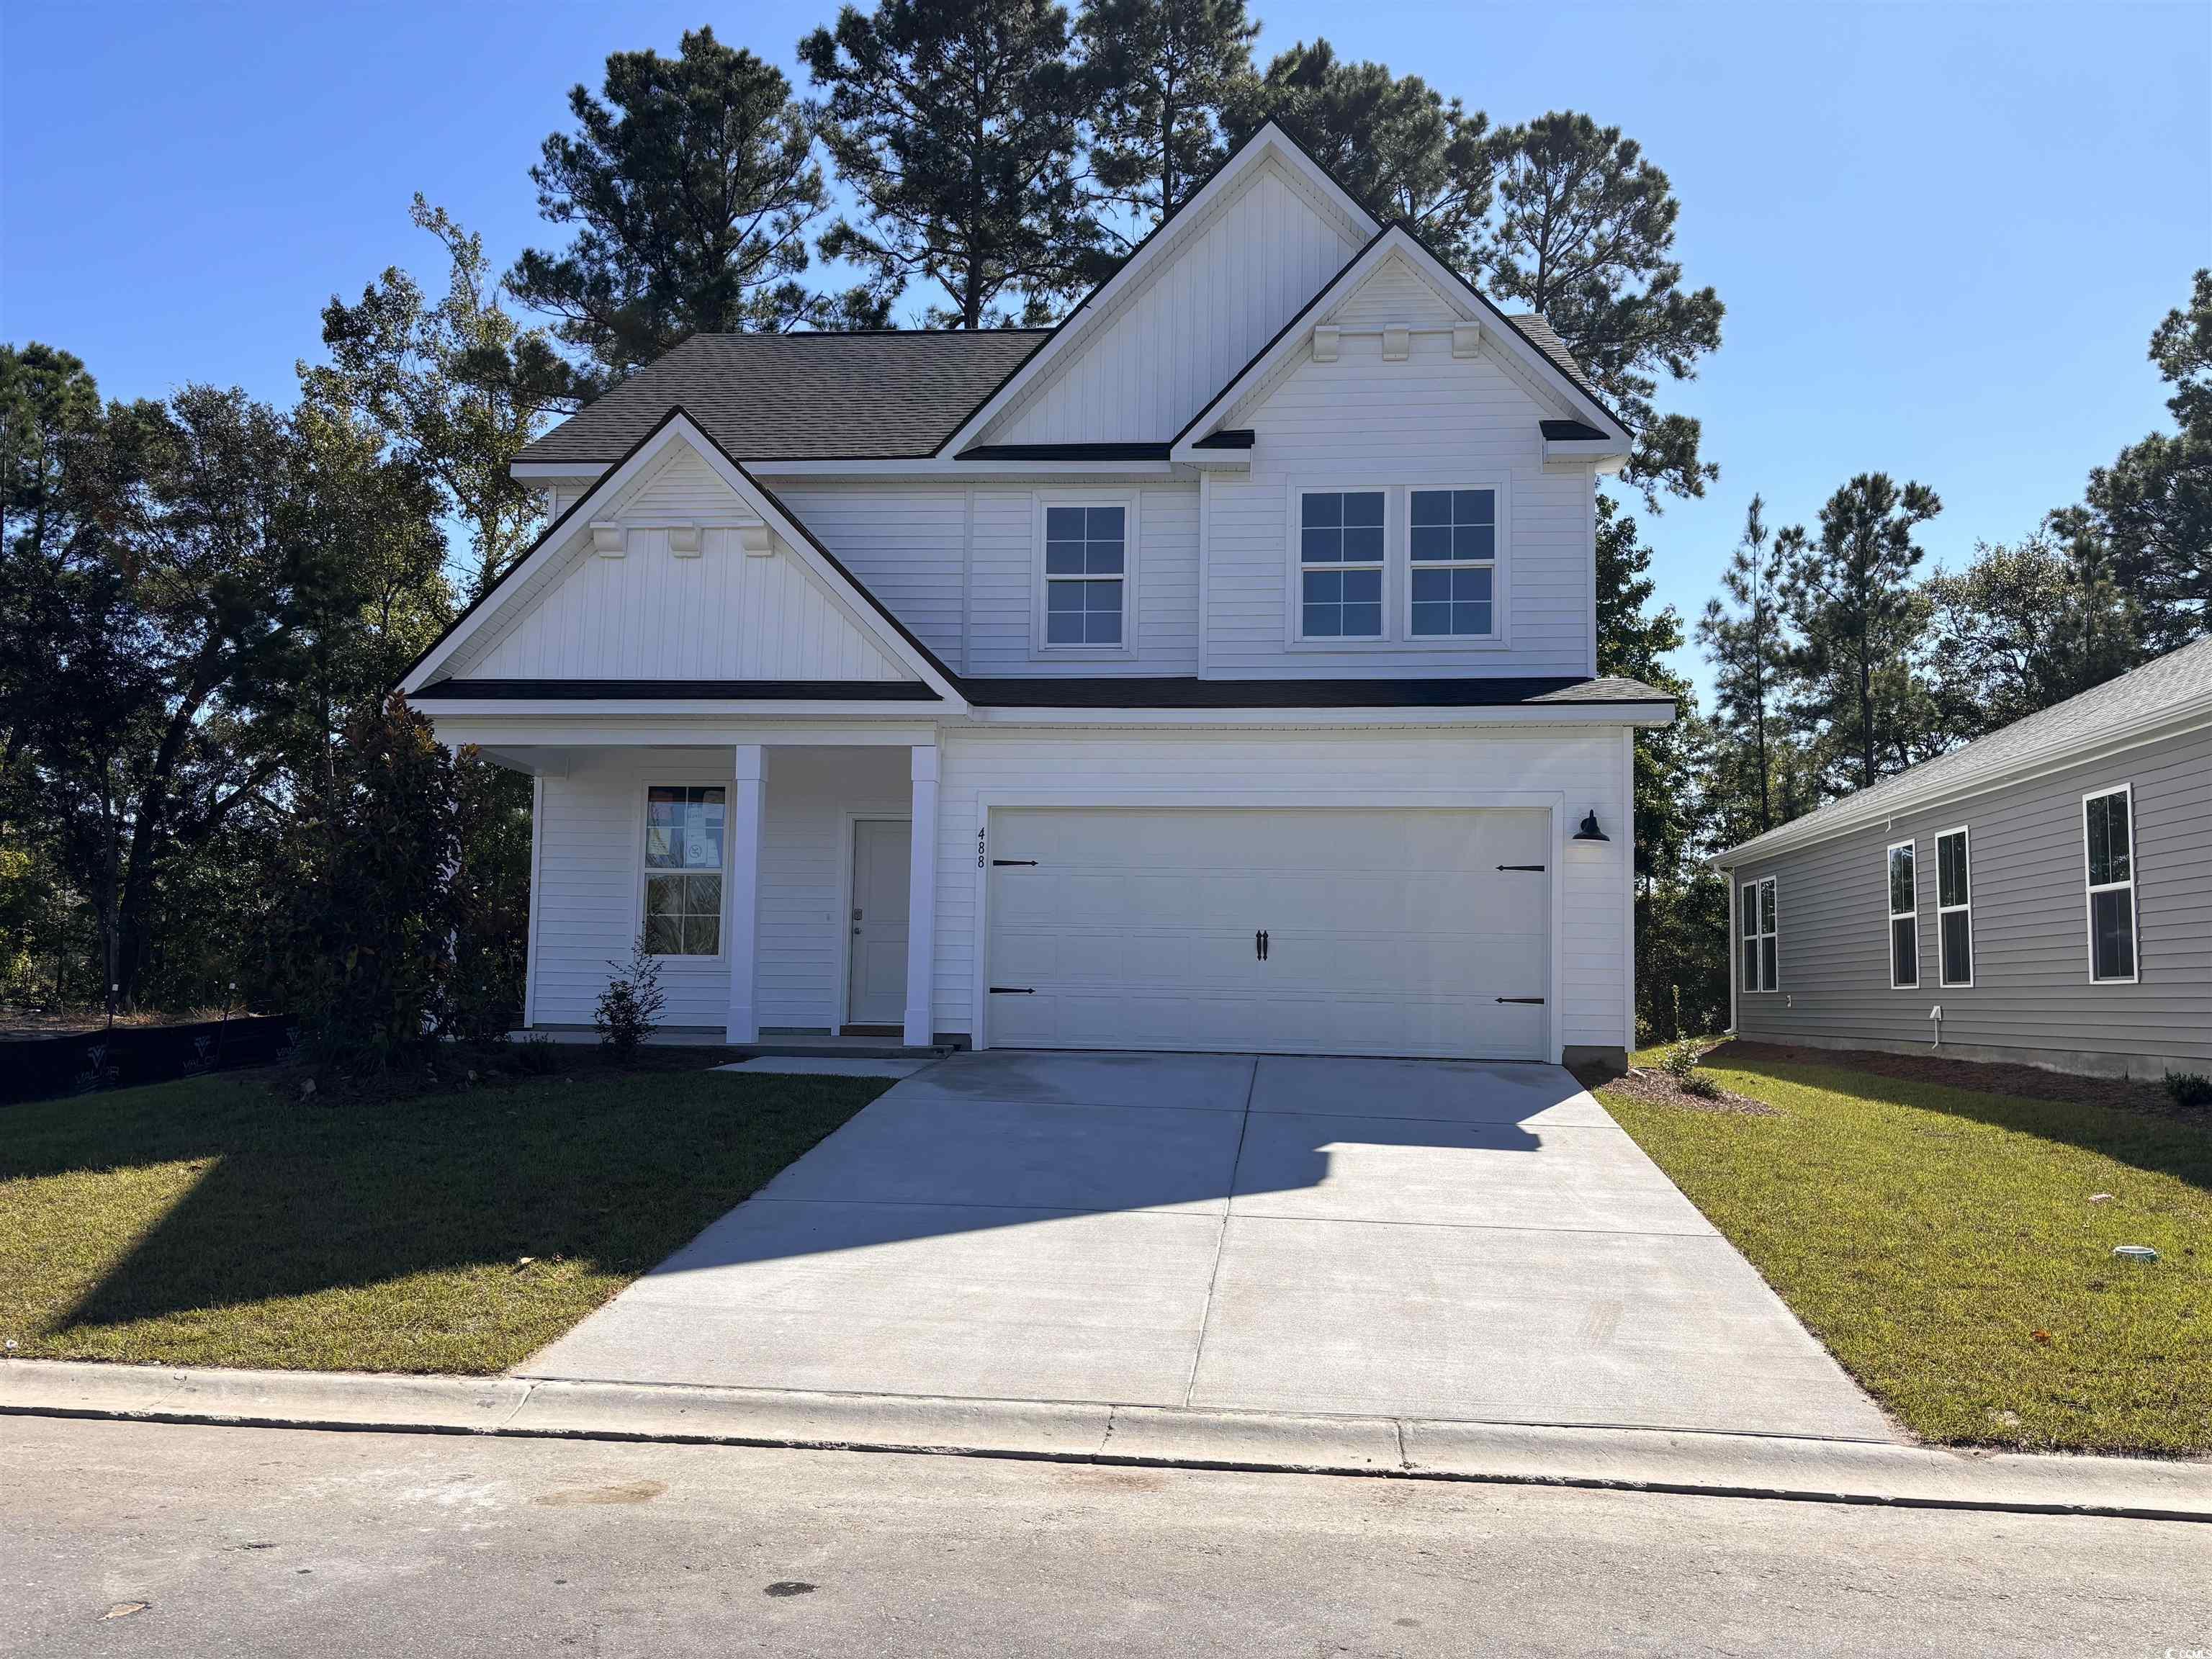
(694, 189)
(1584, 237)
(1744, 646)
(1161, 74)
(1860, 622)
(956, 123)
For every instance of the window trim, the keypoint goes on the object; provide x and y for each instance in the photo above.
(2090, 890)
(1040, 647)
(1759, 934)
(1397, 635)
(681, 962)
(1889, 902)
(1495, 564)
(1943, 967)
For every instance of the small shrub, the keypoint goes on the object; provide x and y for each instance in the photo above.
(629, 1010)
(2189, 1088)
(537, 1056)
(1699, 1084)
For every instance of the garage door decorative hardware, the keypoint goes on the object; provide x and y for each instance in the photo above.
(1260, 944)
(1539, 1001)
(1001, 864)
(1536, 867)
(1013, 990)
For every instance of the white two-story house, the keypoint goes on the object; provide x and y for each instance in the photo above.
(1216, 671)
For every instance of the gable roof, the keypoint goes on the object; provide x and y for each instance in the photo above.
(801, 397)
(677, 425)
(2170, 692)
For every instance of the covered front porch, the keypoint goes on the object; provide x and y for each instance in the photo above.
(785, 885)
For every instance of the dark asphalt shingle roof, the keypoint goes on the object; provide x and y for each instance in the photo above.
(1140, 691)
(1542, 335)
(802, 396)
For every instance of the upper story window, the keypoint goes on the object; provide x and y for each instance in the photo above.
(682, 896)
(2108, 848)
(1341, 550)
(1086, 576)
(1904, 919)
(1453, 555)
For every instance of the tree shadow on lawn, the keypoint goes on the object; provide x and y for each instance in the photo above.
(302, 1197)
(2154, 1143)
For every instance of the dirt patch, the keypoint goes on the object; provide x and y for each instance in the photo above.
(26, 1023)
(1987, 1077)
(632, 1491)
(1657, 1088)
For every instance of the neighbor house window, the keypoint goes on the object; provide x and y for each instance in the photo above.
(1453, 559)
(1904, 920)
(1086, 557)
(1756, 924)
(1955, 909)
(683, 838)
(1340, 564)
(2108, 837)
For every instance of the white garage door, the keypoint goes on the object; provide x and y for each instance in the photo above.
(1304, 931)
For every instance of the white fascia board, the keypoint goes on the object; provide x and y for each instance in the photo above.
(938, 467)
(1602, 453)
(674, 708)
(1593, 714)
(505, 730)
(2170, 723)
(1269, 142)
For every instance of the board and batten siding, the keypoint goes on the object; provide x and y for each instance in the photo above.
(590, 861)
(2033, 998)
(1222, 291)
(1431, 418)
(1303, 768)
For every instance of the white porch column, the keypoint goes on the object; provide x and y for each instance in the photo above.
(744, 832)
(921, 896)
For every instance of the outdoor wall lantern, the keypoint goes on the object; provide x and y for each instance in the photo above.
(1590, 831)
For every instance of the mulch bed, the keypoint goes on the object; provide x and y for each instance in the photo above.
(1983, 1077)
(1656, 1087)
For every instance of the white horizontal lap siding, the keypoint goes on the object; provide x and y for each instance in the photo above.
(2032, 988)
(1220, 295)
(905, 544)
(589, 896)
(1431, 418)
(1303, 768)
(1003, 583)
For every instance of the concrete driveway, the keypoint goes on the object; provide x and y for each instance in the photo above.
(1392, 1238)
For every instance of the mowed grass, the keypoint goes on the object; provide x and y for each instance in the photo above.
(219, 1222)
(1950, 1249)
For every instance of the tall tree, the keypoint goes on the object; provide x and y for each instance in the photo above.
(1404, 149)
(1161, 75)
(457, 387)
(1745, 646)
(1635, 642)
(956, 123)
(1860, 622)
(693, 187)
(2153, 506)
(2022, 627)
(1584, 236)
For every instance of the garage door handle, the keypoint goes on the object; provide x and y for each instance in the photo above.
(1537, 868)
(1260, 944)
(1539, 1001)
(1013, 990)
(1002, 863)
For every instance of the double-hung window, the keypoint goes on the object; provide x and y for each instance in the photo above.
(1758, 925)
(1955, 909)
(2108, 848)
(1453, 560)
(682, 900)
(1340, 559)
(1086, 557)
(1904, 918)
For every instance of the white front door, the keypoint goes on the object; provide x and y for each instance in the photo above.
(878, 975)
(1279, 930)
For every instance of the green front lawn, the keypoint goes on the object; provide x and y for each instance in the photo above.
(220, 1222)
(1945, 1245)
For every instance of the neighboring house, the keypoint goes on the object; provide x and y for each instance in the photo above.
(1216, 671)
(2042, 895)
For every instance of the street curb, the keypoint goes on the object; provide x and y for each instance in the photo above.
(1144, 1436)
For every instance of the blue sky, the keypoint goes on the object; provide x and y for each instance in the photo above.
(1944, 233)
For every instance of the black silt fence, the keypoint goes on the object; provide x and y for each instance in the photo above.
(43, 1067)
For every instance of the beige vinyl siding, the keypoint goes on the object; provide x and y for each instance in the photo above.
(2032, 992)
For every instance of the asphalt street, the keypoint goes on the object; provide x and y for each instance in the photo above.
(119, 1538)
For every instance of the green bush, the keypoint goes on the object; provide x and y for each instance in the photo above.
(629, 1010)
(2189, 1088)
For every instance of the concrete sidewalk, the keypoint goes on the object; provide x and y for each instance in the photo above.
(1720, 1465)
